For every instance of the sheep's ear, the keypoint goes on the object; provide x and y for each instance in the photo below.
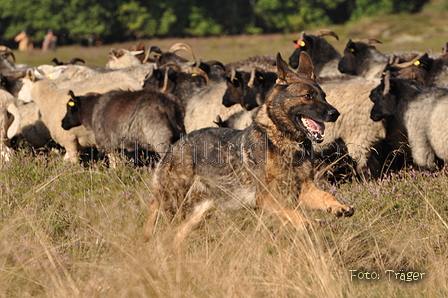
(71, 94)
(350, 46)
(30, 74)
(306, 66)
(72, 100)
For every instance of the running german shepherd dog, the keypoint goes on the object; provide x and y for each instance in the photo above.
(267, 165)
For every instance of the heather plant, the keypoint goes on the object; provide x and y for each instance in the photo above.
(76, 231)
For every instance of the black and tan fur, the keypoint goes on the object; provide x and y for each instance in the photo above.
(267, 165)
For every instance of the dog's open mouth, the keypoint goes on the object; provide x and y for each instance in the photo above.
(314, 128)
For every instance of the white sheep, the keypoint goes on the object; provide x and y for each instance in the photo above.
(9, 122)
(64, 75)
(61, 73)
(123, 58)
(52, 106)
(32, 129)
(354, 126)
(121, 79)
(204, 106)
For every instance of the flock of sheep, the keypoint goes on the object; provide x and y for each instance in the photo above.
(144, 101)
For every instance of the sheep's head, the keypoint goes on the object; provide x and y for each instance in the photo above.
(384, 102)
(31, 76)
(71, 118)
(313, 45)
(123, 58)
(356, 54)
(5, 52)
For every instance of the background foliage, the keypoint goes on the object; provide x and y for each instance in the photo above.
(86, 22)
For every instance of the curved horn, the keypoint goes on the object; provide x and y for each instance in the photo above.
(14, 127)
(181, 46)
(199, 71)
(30, 74)
(371, 41)
(302, 35)
(165, 81)
(386, 83)
(4, 49)
(172, 65)
(410, 62)
(323, 32)
(232, 74)
(7, 51)
(5, 55)
(250, 84)
(145, 59)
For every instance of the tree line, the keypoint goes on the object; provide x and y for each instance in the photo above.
(91, 21)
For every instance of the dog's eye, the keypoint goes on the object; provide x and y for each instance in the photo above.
(307, 97)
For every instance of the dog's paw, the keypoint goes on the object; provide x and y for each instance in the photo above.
(342, 210)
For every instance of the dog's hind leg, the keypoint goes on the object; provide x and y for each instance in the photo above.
(315, 198)
(192, 220)
(153, 211)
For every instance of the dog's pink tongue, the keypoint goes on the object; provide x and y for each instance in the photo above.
(313, 125)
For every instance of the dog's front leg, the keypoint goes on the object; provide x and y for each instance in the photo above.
(315, 198)
(273, 206)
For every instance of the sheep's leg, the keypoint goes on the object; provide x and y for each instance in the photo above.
(315, 198)
(191, 222)
(71, 152)
(360, 155)
(267, 202)
(422, 152)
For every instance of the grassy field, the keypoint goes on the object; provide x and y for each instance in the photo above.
(75, 231)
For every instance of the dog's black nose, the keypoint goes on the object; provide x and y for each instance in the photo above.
(333, 114)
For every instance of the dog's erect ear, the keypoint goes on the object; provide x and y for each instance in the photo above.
(306, 66)
(283, 70)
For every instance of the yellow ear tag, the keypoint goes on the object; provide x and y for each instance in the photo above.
(417, 63)
(302, 43)
(71, 103)
(260, 78)
(3, 83)
(352, 50)
(194, 74)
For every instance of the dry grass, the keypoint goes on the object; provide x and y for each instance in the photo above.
(71, 231)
